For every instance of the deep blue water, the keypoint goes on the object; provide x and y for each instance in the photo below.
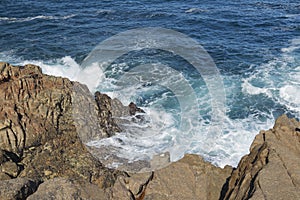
(254, 44)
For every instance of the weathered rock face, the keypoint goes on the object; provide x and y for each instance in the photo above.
(189, 178)
(40, 117)
(36, 108)
(19, 188)
(44, 121)
(65, 189)
(272, 169)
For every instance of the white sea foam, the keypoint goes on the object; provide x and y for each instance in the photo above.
(105, 11)
(292, 16)
(195, 10)
(26, 19)
(295, 44)
(279, 79)
(67, 67)
(250, 89)
(291, 94)
(64, 67)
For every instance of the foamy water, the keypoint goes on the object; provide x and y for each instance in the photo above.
(42, 17)
(277, 81)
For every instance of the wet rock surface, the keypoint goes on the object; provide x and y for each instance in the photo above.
(45, 121)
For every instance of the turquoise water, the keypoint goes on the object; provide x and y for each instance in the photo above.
(255, 46)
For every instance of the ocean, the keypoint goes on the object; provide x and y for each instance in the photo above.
(253, 46)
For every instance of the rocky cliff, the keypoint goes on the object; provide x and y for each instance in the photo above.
(272, 169)
(38, 129)
(42, 155)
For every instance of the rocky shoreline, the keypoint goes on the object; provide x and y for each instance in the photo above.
(42, 155)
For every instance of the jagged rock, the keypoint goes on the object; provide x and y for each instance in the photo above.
(19, 188)
(133, 109)
(189, 178)
(65, 189)
(104, 104)
(112, 110)
(131, 187)
(43, 122)
(113, 113)
(160, 160)
(271, 170)
(34, 107)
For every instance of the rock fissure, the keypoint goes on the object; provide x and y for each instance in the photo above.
(21, 144)
(11, 141)
(142, 189)
(4, 128)
(59, 109)
(287, 171)
(252, 187)
(261, 190)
